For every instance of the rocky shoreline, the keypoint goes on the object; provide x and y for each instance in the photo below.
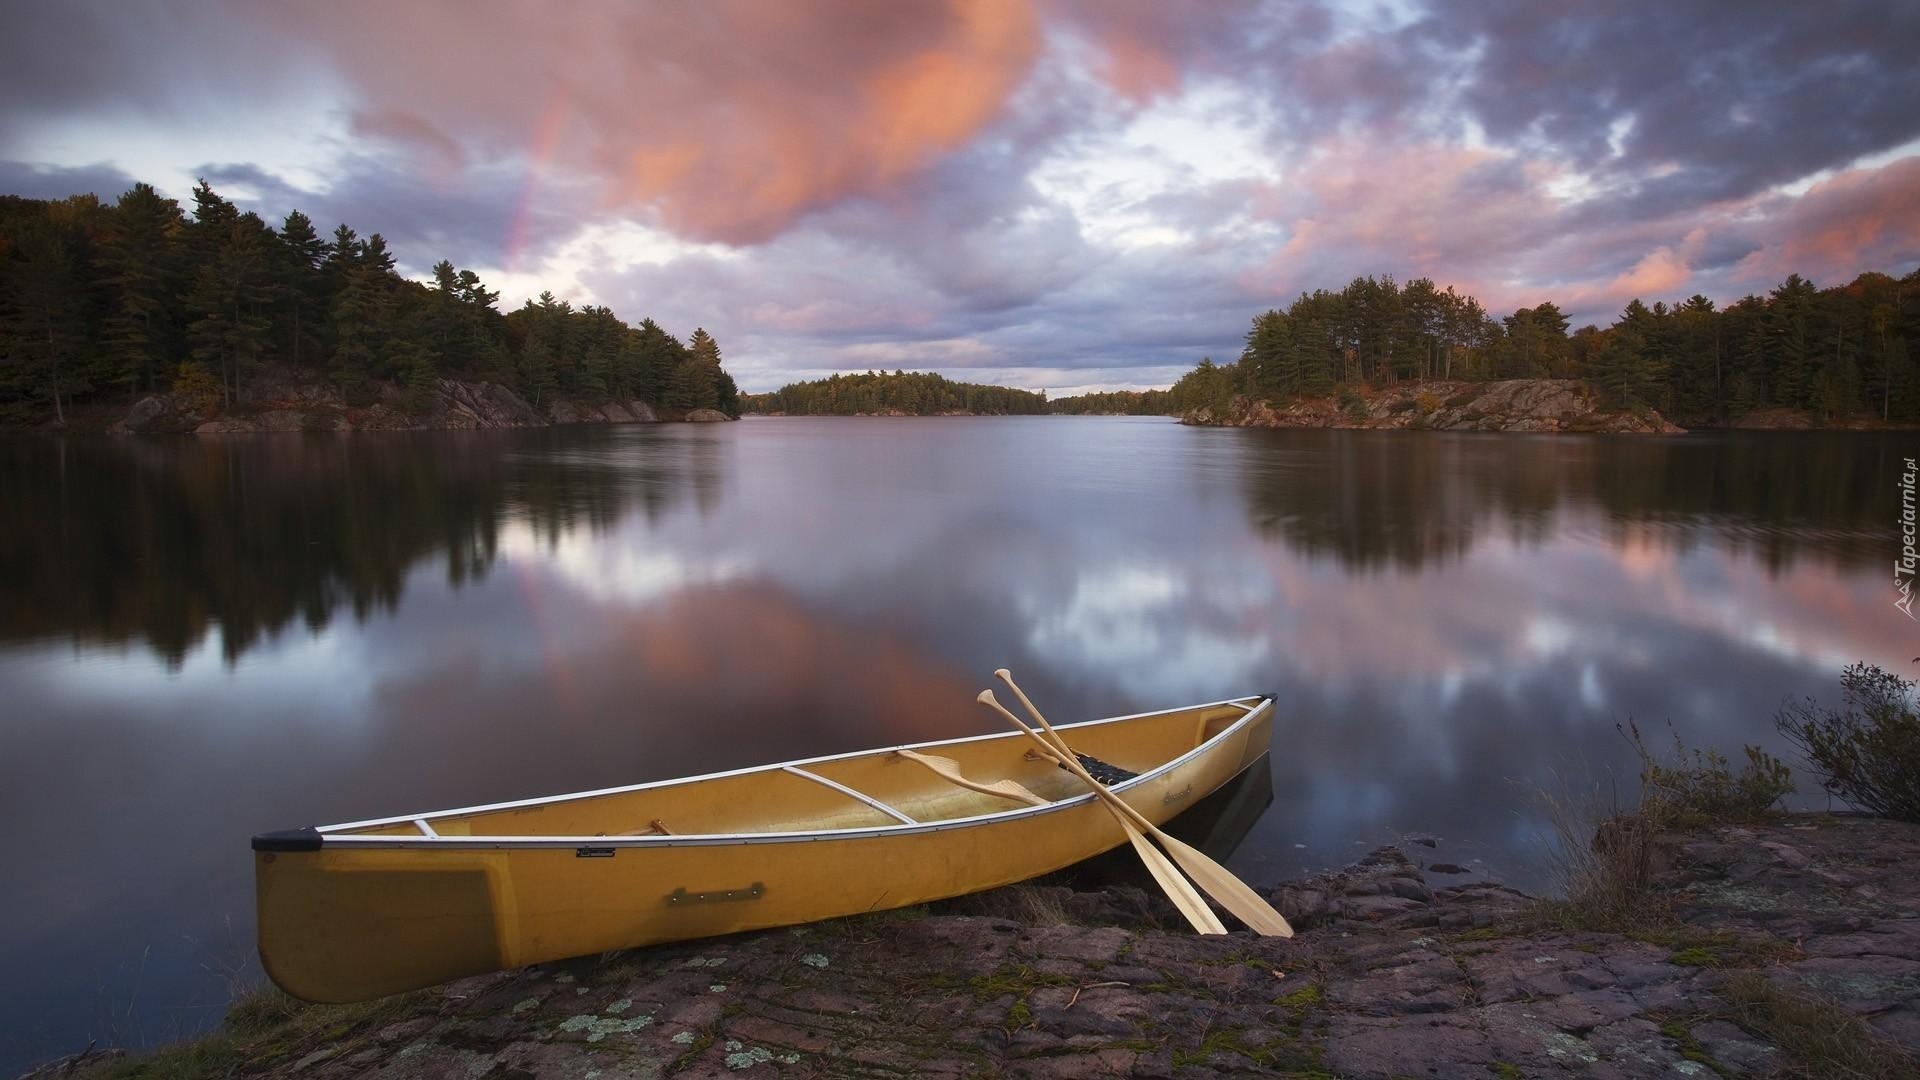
(1404, 965)
(1526, 405)
(454, 405)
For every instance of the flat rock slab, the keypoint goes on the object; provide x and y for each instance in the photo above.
(1389, 976)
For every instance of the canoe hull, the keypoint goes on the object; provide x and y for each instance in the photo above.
(346, 923)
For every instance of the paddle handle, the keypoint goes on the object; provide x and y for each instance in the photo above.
(1067, 756)
(1248, 905)
(1177, 888)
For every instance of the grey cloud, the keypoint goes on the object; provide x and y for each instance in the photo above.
(474, 217)
(57, 182)
(846, 240)
(1740, 95)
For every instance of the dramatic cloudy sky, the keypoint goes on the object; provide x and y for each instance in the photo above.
(1047, 193)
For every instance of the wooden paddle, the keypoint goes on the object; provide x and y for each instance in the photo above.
(949, 770)
(1219, 883)
(1177, 888)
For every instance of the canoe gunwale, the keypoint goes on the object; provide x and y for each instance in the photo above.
(334, 836)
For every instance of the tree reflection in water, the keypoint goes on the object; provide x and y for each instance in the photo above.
(159, 540)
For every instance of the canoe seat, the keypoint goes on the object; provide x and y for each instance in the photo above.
(654, 828)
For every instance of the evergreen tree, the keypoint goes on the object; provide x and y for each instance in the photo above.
(43, 294)
(229, 329)
(301, 254)
(360, 314)
(139, 260)
(696, 383)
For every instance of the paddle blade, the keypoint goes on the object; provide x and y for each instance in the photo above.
(1178, 889)
(1220, 883)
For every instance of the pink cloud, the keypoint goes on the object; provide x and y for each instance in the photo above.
(1857, 220)
(726, 121)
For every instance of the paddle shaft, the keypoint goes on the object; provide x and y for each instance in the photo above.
(1250, 907)
(1177, 887)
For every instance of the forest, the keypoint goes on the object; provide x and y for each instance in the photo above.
(1115, 403)
(910, 393)
(1838, 353)
(104, 302)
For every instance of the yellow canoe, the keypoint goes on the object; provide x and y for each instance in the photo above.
(356, 911)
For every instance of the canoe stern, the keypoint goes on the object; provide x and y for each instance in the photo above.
(412, 920)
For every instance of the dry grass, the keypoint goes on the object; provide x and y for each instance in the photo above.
(1601, 862)
(265, 1031)
(1603, 859)
(1039, 905)
(1820, 1039)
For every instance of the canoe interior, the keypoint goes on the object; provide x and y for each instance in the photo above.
(773, 800)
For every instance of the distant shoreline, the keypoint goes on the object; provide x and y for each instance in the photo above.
(305, 406)
(1525, 406)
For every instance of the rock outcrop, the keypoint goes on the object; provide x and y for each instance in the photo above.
(1398, 969)
(302, 406)
(1555, 405)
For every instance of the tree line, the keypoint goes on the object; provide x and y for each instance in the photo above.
(912, 393)
(1837, 352)
(106, 301)
(1116, 403)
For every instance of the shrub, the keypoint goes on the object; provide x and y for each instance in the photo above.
(1868, 751)
(1604, 863)
(1464, 397)
(1351, 402)
(1426, 402)
(196, 388)
(1695, 787)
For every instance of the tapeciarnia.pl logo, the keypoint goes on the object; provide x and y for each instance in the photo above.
(1903, 569)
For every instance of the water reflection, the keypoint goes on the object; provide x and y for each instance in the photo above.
(157, 541)
(1375, 499)
(1444, 618)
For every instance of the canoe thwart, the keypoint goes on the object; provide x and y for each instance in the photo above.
(849, 792)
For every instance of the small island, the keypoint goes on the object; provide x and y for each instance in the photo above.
(900, 393)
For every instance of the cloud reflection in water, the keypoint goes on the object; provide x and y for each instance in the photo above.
(535, 612)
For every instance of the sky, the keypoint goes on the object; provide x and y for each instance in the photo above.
(1052, 194)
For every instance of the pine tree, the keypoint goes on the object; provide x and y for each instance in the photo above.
(360, 313)
(1789, 340)
(696, 385)
(139, 261)
(43, 296)
(229, 330)
(301, 254)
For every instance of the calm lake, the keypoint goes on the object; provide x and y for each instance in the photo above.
(207, 638)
